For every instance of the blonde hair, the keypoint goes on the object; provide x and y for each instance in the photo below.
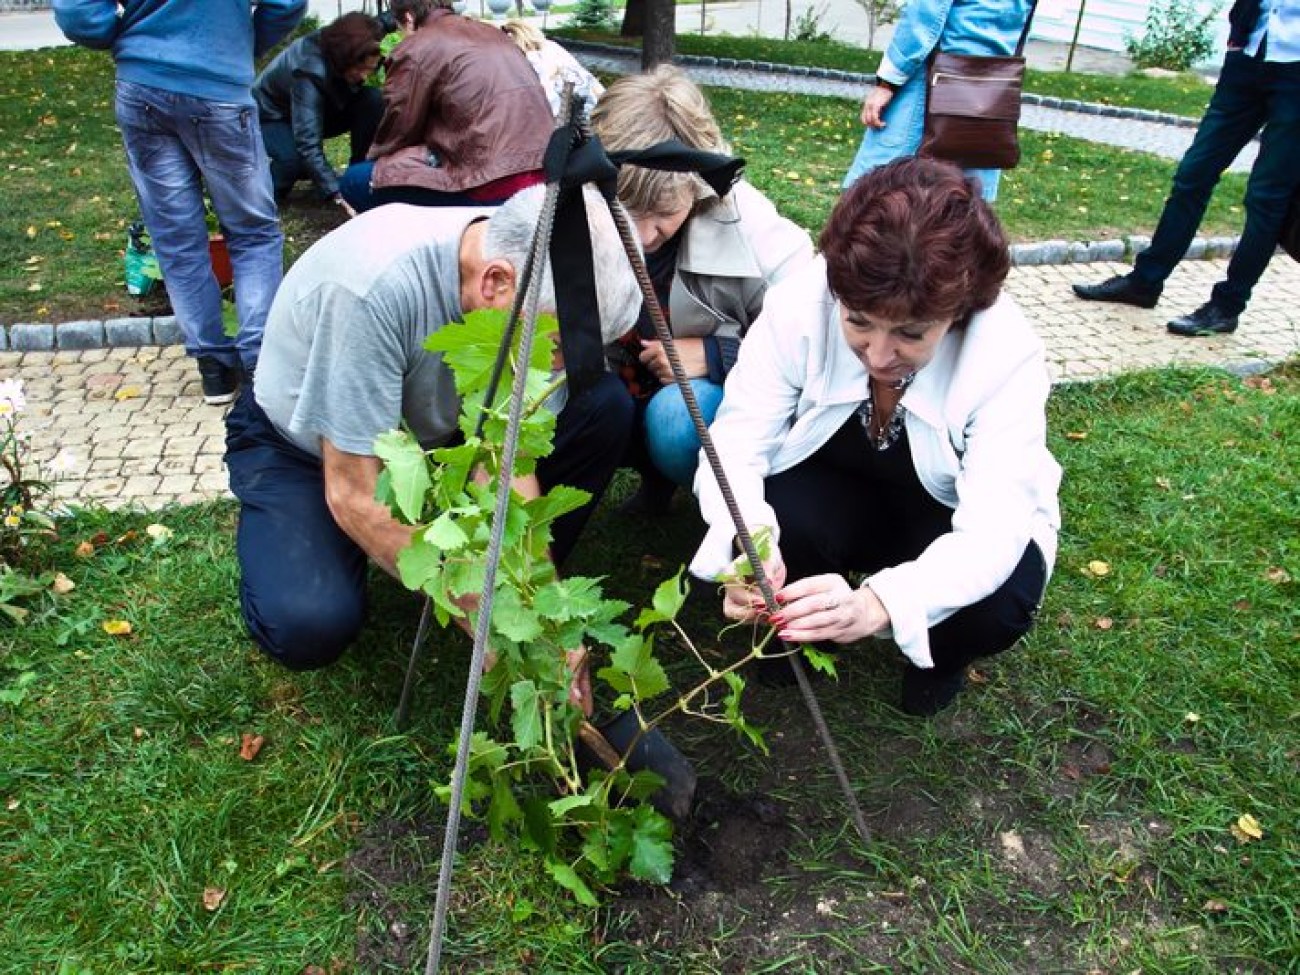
(525, 35)
(638, 111)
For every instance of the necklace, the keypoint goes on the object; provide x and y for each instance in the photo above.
(890, 429)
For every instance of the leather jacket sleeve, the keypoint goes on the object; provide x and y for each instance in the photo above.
(308, 114)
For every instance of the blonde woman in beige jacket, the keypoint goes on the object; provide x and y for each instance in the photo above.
(711, 261)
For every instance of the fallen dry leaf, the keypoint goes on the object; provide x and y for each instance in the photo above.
(249, 745)
(116, 627)
(84, 550)
(977, 676)
(1275, 573)
(1103, 622)
(62, 585)
(212, 897)
(1076, 435)
(1214, 906)
(1247, 829)
(1163, 483)
(1098, 568)
(1191, 717)
(127, 392)
(159, 533)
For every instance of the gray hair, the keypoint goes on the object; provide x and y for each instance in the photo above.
(510, 236)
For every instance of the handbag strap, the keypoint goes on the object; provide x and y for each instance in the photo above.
(1024, 34)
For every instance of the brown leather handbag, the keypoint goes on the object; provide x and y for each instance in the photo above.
(972, 107)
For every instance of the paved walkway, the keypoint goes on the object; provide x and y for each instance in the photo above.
(137, 427)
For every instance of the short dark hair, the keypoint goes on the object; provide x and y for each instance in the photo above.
(418, 9)
(350, 40)
(913, 240)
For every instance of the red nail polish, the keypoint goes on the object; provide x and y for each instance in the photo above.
(777, 619)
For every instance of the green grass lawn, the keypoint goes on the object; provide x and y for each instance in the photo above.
(1074, 812)
(68, 199)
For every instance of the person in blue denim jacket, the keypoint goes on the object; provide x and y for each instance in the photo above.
(894, 110)
(188, 121)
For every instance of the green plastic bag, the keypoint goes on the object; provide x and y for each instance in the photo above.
(140, 263)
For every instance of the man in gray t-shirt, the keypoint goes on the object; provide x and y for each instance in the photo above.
(343, 360)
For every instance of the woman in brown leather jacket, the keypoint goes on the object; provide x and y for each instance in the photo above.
(465, 121)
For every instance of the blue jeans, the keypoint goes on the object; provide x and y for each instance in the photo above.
(175, 146)
(354, 184)
(303, 580)
(1251, 94)
(670, 436)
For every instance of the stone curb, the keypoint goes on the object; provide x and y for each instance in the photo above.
(110, 333)
(834, 74)
(164, 330)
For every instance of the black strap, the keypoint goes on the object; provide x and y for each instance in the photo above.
(1024, 34)
(574, 159)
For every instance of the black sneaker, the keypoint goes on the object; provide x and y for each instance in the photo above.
(219, 380)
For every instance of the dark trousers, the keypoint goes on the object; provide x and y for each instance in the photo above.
(1251, 94)
(303, 581)
(830, 522)
(358, 117)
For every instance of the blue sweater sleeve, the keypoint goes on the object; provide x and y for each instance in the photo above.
(273, 21)
(916, 35)
(90, 23)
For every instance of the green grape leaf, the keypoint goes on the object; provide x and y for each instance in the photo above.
(819, 660)
(652, 847)
(504, 809)
(740, 570)
(667, 601)
(731, 708)
(419, 564)
(538, 825)
(470, 347)
(568, 878)
(445, 535)
(633, 669)
(559, 500)
(526, 719)
(512, 618)
(561, 807)
(408, 478)
(455, 464)
(577, 597)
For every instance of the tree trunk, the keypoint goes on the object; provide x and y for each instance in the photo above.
(633, 19)
(659, 41)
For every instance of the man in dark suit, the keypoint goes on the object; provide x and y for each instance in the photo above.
(1258, 93)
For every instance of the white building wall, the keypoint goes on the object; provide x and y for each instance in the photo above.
(1106, 23)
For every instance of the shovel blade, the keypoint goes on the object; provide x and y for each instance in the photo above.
(655, 753)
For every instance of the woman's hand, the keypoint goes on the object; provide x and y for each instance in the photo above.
(873, 107)
(690, 351)
(580, 685)
(745, 601)
(826, 607)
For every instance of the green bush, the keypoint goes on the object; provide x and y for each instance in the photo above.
(1175, 36)
(593, 15)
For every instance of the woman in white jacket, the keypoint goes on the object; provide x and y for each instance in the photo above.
(886, 419)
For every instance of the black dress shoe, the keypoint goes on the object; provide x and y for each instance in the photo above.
(1206, 320)
(1122, 288)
